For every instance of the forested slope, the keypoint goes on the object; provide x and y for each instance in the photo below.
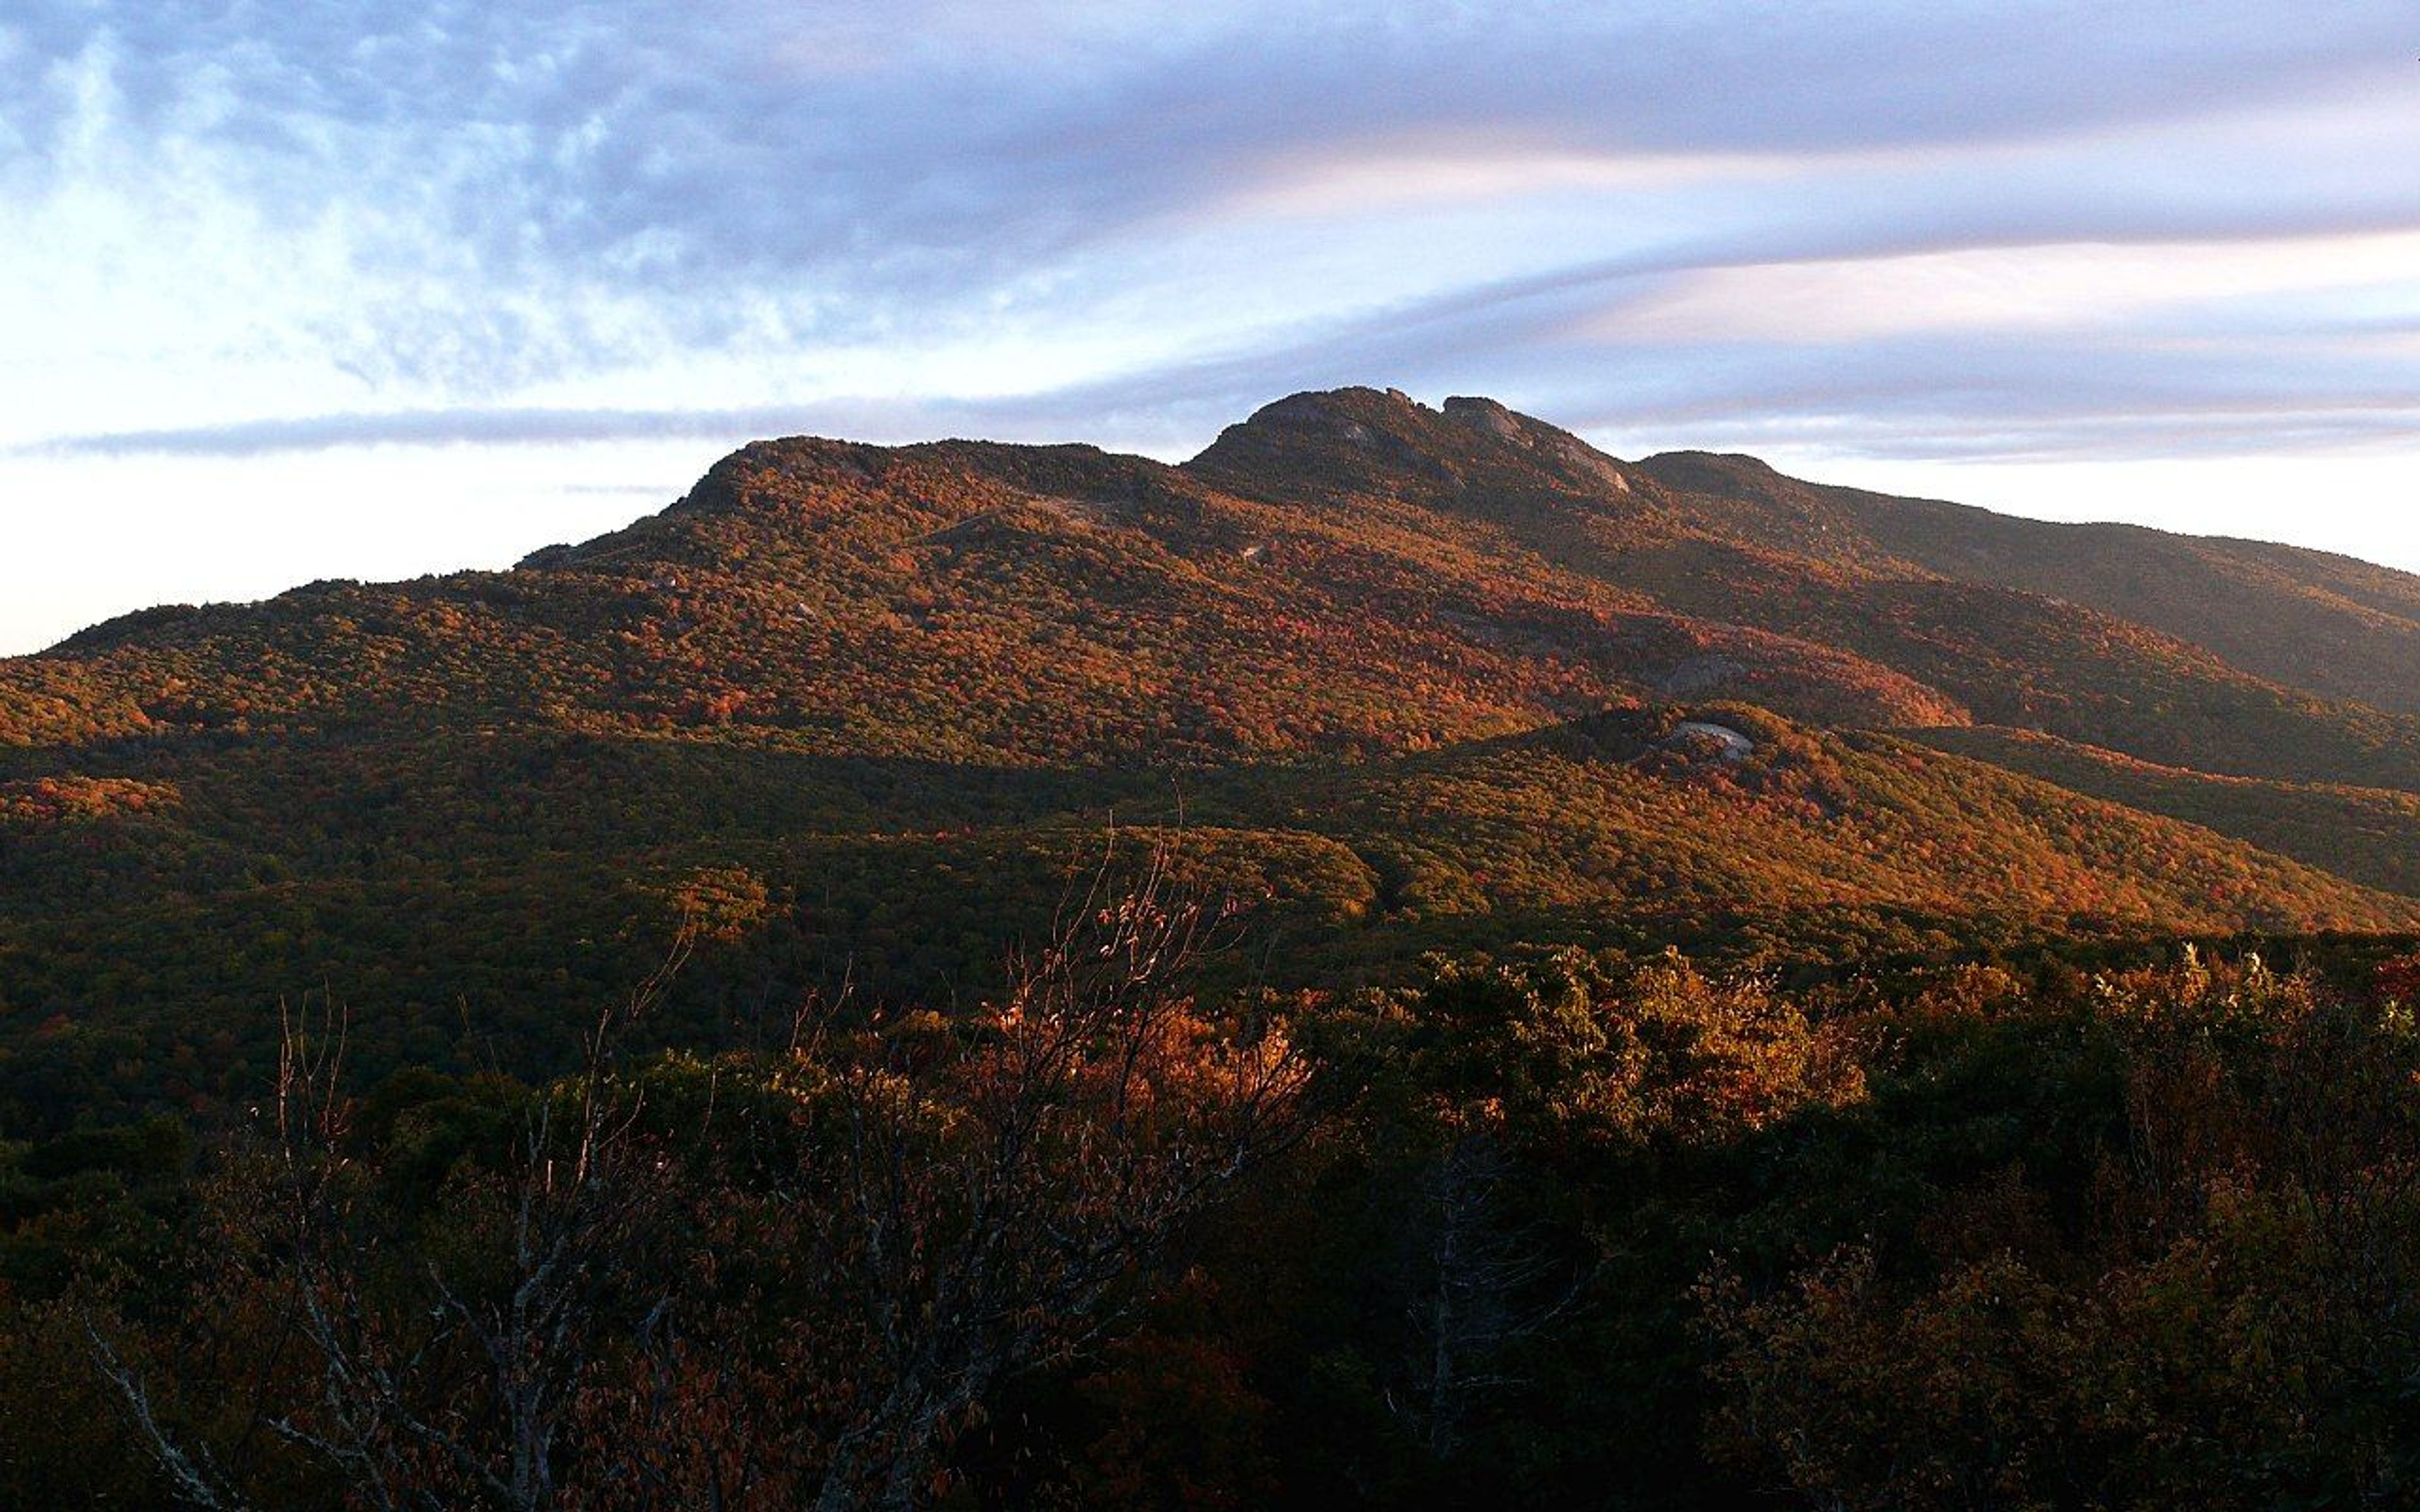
(1418, 676)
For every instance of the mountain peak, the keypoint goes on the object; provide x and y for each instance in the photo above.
(1382, 441)
(1331, 411)
(1487, 413)
(1566, 453)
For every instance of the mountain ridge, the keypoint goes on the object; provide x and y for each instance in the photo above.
(1414, 676)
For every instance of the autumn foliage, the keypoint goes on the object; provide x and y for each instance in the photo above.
(1587, 983)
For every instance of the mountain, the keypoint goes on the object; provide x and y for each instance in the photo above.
(1408, 676)
(2338, 626)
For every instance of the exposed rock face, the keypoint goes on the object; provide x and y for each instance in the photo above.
(1488, 415)
(1730, 742)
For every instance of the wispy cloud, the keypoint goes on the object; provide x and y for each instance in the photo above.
(475, 199)
(458, 426)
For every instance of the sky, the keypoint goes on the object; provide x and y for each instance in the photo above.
(370, 288)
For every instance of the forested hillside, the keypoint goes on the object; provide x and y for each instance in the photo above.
(1421, 668)
(2034, 894)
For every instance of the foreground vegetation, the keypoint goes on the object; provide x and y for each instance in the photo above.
(1545, 1227)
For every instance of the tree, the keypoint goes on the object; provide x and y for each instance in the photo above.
(443, 1367)
(799, 1296)
(982, 1195)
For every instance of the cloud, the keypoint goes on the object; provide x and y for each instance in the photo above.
(2026, 227)
(430, 427)
(524, 192)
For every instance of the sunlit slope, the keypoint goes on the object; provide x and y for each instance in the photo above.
(1342, 571)
(960, 602)
(2369, 835)
(457, 885)
(1413, 677)
(2330, 624)
(1725, 540)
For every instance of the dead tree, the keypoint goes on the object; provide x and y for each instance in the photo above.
(449, 1388)
(1492, 1281)
(956, 1201)
(986, 1192)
